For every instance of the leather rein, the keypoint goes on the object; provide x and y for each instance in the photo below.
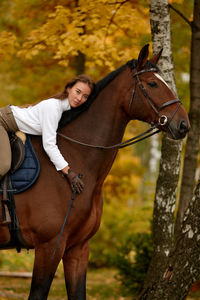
(162, 119)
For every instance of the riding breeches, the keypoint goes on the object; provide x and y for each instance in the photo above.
(7, 124)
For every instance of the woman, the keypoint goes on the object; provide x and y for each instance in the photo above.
(42, 119)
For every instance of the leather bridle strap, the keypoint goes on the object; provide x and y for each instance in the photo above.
(162, 120)
(141, 85)
(170, 102)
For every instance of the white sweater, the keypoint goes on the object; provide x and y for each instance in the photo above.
(42, 119)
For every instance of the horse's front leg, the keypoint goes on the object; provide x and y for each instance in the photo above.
(75, 262)
(43, 272)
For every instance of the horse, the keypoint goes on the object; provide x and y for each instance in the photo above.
(134, 91)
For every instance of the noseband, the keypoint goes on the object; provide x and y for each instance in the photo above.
(162, 119)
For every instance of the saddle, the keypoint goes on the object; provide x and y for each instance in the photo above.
(17, 143)
(25, 169)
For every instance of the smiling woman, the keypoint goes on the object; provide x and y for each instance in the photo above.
(78, 94)
(42, 119)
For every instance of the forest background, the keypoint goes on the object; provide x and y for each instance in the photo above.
(43, 45)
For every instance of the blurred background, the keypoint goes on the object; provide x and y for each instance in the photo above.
(43, 44)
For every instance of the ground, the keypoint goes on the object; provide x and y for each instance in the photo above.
(101, 284)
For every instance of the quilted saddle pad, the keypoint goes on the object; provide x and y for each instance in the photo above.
(27, 174)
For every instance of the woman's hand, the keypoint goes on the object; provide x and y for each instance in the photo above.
(74, 180)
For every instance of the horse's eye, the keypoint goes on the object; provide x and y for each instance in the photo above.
(152, 84)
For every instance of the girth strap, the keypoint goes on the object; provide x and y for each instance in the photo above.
(4, 202)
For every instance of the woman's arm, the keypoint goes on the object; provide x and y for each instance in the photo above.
(65, 170)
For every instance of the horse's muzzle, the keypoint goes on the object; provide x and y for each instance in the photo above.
(178, 131)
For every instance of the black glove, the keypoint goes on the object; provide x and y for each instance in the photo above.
(75, 181)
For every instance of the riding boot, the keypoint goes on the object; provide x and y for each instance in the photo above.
(6, 219)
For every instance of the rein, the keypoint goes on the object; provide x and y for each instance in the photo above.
(74, 192)
(62, 229)
(129, 142)
(134, 140)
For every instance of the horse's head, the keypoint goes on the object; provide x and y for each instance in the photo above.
(153, 101)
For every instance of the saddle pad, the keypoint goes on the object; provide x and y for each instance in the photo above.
(29, 171)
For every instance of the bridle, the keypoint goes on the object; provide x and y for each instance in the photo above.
(162, 119)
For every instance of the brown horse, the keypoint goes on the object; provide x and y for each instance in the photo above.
(135, 92)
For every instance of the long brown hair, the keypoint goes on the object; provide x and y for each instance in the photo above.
(63, 95)
(82, 78)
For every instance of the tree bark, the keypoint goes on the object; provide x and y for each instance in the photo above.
(165, 198)
(80, 63)
(192, 145)
(182, 268)
(80, 58)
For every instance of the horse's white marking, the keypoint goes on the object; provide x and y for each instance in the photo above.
(159, 77)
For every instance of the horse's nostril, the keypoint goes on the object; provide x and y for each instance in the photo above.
(183, 126)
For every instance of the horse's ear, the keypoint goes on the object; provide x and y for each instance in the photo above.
(156, 57)
(142, 57)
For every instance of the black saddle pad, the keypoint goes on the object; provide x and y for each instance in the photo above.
(26, 175)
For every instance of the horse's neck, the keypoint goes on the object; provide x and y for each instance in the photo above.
(102, 124)
(105, 121)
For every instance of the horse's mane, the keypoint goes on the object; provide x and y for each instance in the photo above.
(71, 114)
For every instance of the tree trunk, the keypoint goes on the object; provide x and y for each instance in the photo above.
(165, 198)
(182, 268)
(80, 63)
(192, 146)
(80, 58)
(173, 269)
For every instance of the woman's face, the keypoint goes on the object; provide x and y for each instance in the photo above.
(78, 93)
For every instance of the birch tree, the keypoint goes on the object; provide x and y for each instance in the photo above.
(165, 197)
(174, 267)
(192, 145)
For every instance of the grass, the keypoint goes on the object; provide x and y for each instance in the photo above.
(101, 283)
